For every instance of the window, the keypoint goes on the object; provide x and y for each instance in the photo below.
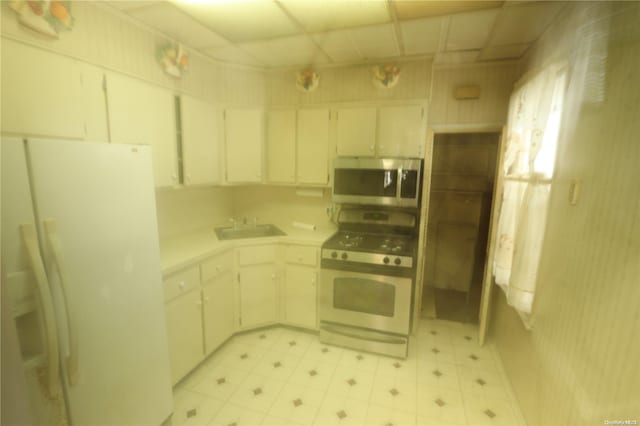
(533, 127)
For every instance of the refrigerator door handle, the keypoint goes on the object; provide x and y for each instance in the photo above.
(51, 228)
(30, 239)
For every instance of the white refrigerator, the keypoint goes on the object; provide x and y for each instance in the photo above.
(81, 272)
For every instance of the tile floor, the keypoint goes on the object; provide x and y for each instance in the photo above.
(281, 376)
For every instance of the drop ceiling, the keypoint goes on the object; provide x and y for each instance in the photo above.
(286, 33)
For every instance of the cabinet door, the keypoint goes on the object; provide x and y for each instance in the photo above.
(244, 133)
(143, 114)
(218, 311)
(258, 295)
(356, 131)
(281, 146)
(184, 333)
(41, 93)
(300, 296)
(401, 131)
(313, 146)
(199, 141)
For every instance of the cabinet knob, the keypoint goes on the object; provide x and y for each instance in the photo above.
(371, 148)
(181, 285)
(199, 303)
(206, 299)
(273, 276)
(188, 177)
(174, 176)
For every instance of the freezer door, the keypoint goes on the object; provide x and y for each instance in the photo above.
(23, 303)
(102, 245)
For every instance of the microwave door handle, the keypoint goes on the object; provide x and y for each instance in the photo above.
(399, 184)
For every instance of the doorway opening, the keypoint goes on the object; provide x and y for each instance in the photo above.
(461, 192)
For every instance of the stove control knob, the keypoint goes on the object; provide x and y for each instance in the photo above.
(398, 261)
(334, 254)
(386, 260)
(344, 256)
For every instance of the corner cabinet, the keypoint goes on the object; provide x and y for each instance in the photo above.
(140, 113)
(300, 287)
(243, 145)
(199, 131)
(258, 285)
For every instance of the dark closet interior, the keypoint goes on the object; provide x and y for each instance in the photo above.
(462, 177)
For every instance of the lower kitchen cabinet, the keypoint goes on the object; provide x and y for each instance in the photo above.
(258, 295)
(184, 333)
(299, 291)
(218, 319)
(300, 295)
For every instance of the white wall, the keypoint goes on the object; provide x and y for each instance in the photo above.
(496, 83)
(579, 363)
(349, 84)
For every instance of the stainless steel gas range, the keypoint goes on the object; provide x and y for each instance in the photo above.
(367, 277)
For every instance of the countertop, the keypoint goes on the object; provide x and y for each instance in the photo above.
(180, 251)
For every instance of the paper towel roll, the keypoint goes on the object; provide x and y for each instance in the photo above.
(306, 226)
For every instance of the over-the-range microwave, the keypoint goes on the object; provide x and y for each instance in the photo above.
(377, 181)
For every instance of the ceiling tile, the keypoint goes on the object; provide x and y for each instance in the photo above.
(524, 23)
(241, 20)
(509, 51)
(461, 57)
(421, 35)
(338, 45)
(422, 9)
(318, 16)
(375, 41)
(470, 30)
(231, 54)
(175, 23)
(286, 51)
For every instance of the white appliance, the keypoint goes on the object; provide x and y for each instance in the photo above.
(81, 268)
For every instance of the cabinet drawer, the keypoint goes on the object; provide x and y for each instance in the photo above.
(256, 255)
(181, 282)
(216, 266)
(303, 255)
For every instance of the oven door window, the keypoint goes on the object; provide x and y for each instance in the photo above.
(366, 182)
(364, 295)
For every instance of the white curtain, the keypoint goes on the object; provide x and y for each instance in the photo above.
(532, 134)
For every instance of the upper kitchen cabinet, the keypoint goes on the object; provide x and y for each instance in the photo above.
(41, 93)
(143, 114)
(200, 159)
(401, 131)
(243, 145)
(356, 131)
(281, 146)
(313, 146)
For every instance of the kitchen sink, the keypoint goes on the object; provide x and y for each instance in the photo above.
(231, 233)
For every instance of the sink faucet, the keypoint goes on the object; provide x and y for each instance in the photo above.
(244, 220)
(233, 223)
(255, 221)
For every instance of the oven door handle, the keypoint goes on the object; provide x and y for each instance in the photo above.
(364, 335)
